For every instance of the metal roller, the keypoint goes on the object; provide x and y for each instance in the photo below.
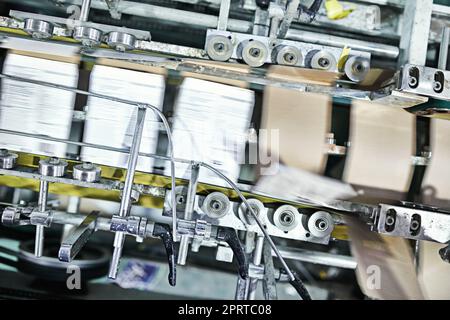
(319, 224)
(287, 55)
(180, 198)
(8, 160)
(253, 52)
(38, 29)
(356, 68)
(286, 218)
(89, 37)
(121, 41)
(87, 172)
(244, 213)
(216, 205)
(52, 167)
(321, 60)
(219, 48)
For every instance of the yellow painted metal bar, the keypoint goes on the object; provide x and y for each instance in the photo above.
(149, 179)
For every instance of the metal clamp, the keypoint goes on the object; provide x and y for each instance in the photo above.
(132, 225)
(16, 216)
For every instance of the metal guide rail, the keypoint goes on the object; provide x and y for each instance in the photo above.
(305, 55)
(220, 46)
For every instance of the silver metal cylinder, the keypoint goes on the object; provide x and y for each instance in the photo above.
(39, 241)
(261, 22)
(132, 163)
(89, 37)
(316, 257)
(357, 68)
(43, 193)
(125, 203)
(321, 60)
(183, 250)
(52, 167)
(245, 214)
(216, 205)
(223, 15)
(286, 218)
(115, 260)
(443, 52)
(376, 49)
(188, 210)
(42, 206)
(253, 52)
(287, 55)
(121, 41)
(85, 8)
(257, 259)
(219, 48)
(8, 160)
(38, 29)
(87, 172)
(319, 224)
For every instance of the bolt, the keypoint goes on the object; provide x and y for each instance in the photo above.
(289, 57)
(215, 205)
(219, 46)
(414, 225)
(358, 67)
(437, 86)
(53, 160)
(412, 81)
(324, 62)
(286, 218)
(390, 221)
(255, 52)
(321, 224)
(87, 165)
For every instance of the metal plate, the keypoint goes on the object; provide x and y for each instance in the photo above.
(425, 80)
(304, 48)
(434, 226)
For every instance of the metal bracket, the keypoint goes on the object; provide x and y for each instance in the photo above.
(77, 238)
(38, 218)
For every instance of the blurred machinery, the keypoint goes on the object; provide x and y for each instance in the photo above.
(145, 120)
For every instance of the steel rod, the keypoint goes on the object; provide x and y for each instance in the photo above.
(85, 8)
(42, 206)
(223, 15)
(257, 258)
(443, 52)
(189, 208)
(125, 203)
(322, 258)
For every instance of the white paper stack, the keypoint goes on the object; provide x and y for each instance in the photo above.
(211, 124)
(112, 124)
(37, 109)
